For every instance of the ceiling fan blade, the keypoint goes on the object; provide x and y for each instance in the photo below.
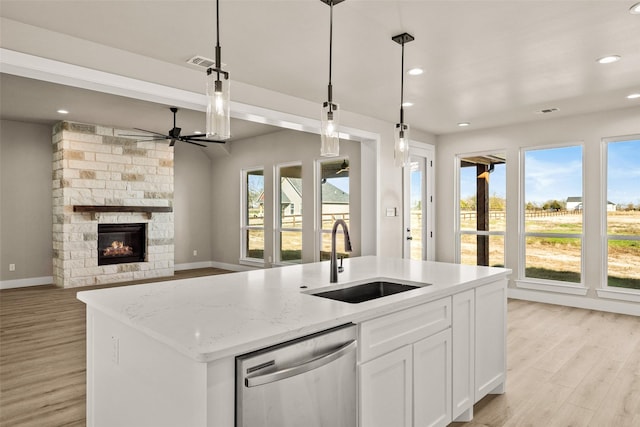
(194, 143)
(201, 138)
(150, 131)
(172, 143)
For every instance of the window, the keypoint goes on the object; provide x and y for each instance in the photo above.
(334, 203)
(552, 215)
(253, 221)
(289, 219)
(482, 209)
(622, 212)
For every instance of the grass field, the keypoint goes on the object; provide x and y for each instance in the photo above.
(559, 258)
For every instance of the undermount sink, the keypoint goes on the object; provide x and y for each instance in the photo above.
(366, 291)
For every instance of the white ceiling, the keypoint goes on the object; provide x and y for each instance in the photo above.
(490, 63)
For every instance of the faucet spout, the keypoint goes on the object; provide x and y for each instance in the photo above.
(347, 247)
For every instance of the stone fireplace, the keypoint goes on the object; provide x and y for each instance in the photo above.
(112, 206)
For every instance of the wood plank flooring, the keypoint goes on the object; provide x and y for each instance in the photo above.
(42, 354)
(566, 366)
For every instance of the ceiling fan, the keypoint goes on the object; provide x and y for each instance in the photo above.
(344, 167)
(174, 135)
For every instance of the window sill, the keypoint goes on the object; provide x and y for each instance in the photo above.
(621, 294)
(552, 287)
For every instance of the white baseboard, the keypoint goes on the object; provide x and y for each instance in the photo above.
(232, 267)
(25, 283)
(211, 264)
(631, 308)
(193, 265)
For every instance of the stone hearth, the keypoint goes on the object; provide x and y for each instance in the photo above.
(93, 165)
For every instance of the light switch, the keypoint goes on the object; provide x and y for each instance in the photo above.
(391, 212)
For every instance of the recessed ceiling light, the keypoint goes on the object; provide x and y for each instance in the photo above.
(415, 71)
(463, 124)
(635, 9)
(609, 59)
(633, 96)
(407, 104)
(63, 112)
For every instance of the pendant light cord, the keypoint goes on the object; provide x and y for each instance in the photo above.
(402, 87)
(218, 49)
(330, 87)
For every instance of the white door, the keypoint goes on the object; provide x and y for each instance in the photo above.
(418, 203)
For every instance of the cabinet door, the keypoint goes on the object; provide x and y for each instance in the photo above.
(491, 321)
(432, 380)
(386, 390)
(462, 341)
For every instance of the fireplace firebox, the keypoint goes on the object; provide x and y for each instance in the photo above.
(121, 243)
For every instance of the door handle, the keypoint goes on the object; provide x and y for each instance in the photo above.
(409, 238)
(307, 366)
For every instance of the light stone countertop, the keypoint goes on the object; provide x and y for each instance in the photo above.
(212, 317)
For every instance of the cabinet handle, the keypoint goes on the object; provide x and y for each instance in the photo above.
(306, 366)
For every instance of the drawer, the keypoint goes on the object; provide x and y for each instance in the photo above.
(389, 332)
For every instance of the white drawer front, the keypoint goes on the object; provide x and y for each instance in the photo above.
(387, 333)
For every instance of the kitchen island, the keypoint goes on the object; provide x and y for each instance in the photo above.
(164, 353)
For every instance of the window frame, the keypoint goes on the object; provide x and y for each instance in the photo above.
(604, 290)
(277, 216)
(318, 230)
(457, 226)
(546, 284)
(245, 259)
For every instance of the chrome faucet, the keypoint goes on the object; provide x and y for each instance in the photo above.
(347, 247)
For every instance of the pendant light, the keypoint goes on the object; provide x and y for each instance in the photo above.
(401, 133)
(218, 117)
(330, 119)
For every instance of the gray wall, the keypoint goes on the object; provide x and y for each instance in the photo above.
(266, 152)
(192, 204)
(25, 200)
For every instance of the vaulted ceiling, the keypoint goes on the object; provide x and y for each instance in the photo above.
(490, 63)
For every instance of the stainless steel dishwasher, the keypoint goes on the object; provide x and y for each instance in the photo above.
(308, 382)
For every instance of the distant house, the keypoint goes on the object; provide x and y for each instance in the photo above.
(334, 200)
(575, 204)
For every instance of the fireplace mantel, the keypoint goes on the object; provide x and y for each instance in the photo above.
(96, 210)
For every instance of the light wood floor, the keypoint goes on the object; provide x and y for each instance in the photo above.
(42, 354)
(566, 366)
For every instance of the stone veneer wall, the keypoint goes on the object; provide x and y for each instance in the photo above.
(92, 165)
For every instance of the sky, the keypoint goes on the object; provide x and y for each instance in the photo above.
(555, 174)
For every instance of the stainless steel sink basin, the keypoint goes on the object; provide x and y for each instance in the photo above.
(366, 291)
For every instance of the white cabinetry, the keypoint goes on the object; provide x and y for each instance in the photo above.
(463, 320)
(491, 339)
(429, 364)
(386, 385)
(432, 380)
(405, 367)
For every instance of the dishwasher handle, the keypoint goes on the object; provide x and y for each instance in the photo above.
(310, 365)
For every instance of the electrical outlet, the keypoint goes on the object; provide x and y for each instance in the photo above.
(195, 252)
(115, 350)
(12, 267)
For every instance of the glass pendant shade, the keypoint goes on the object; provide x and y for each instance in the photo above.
(218, 116)
(401, 147)
(330, 120)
